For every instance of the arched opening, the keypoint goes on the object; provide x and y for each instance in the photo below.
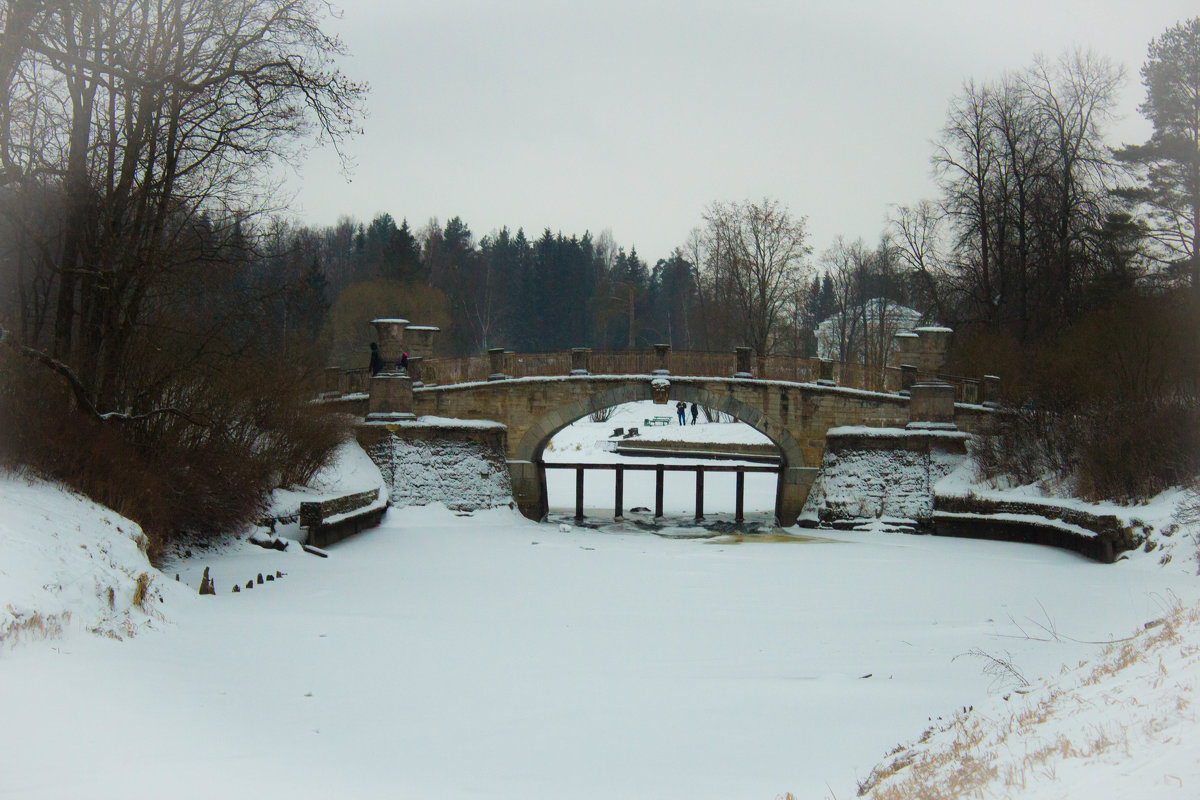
(531, 449)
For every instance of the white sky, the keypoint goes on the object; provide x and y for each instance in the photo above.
(635, 116)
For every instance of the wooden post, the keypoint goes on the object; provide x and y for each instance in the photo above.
(618, 505)
(578, 494)
(699, 493)
(738, 516)
(658, 492)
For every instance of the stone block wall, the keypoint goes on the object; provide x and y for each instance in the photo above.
(887, 473)
(315, 512)
(424, 461)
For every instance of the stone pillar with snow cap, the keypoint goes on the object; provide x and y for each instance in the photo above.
(391, 397)
(934, 344)
(389, 333)
(825, 372)
(580, 360)
(906, 346)
(745, 362)
(931, 406)
(496, 364)
(662, 359)
(414, 370)
(419, 340)
(989, 391)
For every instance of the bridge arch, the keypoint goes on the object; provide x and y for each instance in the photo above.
(534, 442)
(529, 474)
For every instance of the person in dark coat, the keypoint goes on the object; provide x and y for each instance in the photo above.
(680, 408)
(403, 363)
(376, 360)
(695, 412)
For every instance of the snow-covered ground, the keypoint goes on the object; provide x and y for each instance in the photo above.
(454, 656)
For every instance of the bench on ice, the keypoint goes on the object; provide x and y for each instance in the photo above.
(652, 421)
(329, 521)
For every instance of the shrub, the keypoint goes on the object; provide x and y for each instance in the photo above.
(1125, 452)
(249, 428)
(1112, 405)
(602, 414)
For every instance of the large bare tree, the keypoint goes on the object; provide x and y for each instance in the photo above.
(156, 125)
(1024, 174)
(756, 257)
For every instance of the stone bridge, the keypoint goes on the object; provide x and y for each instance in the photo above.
(795, 416)
(794, 413)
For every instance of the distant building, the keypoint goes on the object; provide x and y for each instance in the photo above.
(865, 329)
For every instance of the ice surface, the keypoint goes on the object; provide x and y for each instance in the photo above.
(483, 655)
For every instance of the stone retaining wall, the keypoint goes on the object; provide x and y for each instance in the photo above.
(958, 515)
(329, 521)
(884, 473)
(430, 461)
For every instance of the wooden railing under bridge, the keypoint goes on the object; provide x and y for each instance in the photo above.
(683, 363)
(659, 470)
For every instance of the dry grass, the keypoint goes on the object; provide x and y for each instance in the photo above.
(141, 589)
(1008, 755)
(35, 625)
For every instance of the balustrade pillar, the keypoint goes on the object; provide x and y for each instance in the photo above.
(989, 391)
(931, 405)
(581, 360)
(970, 391)
(496, 359)
(825, 372)
(414, 370)
(390, 397)
(662, 358)
(745, 362)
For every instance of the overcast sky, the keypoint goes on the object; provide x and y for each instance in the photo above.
(634, 116)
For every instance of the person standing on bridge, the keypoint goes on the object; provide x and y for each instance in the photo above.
(376, 360)
(680, 408)
(695, 413)
(403, 363)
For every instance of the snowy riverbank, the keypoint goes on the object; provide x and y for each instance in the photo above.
(456, 656)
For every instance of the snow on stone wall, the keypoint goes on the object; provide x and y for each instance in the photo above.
(871, 482)
(464, 474)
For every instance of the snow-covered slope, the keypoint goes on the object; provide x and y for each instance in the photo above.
(1122, 724)
(68, 564)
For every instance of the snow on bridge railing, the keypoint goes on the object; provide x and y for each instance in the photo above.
(683, 363)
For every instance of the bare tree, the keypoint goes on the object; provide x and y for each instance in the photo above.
(841, 263)
(916, 233)
(159, 122)
(1073, 98)
(1024, 173)
(756, 254)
